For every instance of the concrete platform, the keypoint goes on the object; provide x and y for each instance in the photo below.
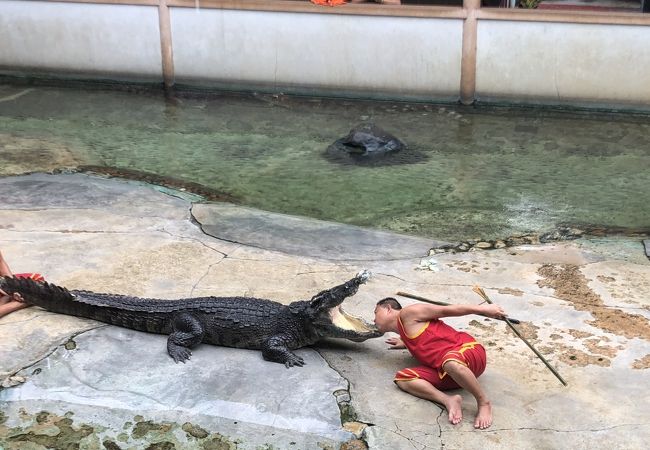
(585, 305)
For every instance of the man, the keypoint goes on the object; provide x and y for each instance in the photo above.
(449, 359)
(11, 303)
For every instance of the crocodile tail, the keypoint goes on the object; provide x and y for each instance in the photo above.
(83, 304)
(54, 298)
(43, 294)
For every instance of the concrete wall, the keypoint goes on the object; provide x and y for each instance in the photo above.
(115, 40)
(396, 55)
(560, 62)
(367, 55)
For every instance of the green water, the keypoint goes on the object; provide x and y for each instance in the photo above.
(488, 172)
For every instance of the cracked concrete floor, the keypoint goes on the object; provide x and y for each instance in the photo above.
(584, 304)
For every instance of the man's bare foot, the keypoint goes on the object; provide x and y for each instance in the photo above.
(484, 416)
(455, 408)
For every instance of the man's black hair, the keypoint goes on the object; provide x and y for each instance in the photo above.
(389, 301)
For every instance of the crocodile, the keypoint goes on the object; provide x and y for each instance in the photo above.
(241, 322)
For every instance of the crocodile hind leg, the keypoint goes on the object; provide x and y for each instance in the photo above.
(276, 349)
(187, 332)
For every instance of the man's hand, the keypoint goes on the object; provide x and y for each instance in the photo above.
(395, 343)
(493, 311)
(11, 297)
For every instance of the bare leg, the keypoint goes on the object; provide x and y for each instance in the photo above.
(423, 389)
(4, 267)
(4, 297)
(10, 303)
(11, 306)
(467, 380)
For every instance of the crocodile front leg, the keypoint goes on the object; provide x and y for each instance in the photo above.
(276, 349)
(188, 332)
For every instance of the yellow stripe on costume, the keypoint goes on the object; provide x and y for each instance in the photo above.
(406, 375)
(467, 346)
(463, 348)
(416, 334)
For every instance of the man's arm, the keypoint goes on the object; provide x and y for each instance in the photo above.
(423, 313)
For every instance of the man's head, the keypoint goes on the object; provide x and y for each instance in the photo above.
(386, 314)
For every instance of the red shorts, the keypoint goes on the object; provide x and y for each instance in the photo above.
(33, 276)
(471, 355)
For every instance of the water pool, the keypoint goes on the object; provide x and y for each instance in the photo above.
(486, 172)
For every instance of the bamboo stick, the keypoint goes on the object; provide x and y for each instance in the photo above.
(482, 293)
(435, 302)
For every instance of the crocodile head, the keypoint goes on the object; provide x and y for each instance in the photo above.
(336, 322)
(327, 319)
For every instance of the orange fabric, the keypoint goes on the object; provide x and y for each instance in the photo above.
(473, 357)
(34, 276)
(328, 2)
(433, 342)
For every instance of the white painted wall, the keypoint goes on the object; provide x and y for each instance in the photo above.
(393, 55)
(365, 55)
(560, 62)
(80, 38)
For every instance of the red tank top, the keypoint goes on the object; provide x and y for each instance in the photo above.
(433, 341)
(33, 276)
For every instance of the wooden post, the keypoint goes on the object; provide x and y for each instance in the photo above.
(166, 44)
(468, 58)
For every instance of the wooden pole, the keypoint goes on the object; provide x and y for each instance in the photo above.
(482, 293)
(435, 302)
(164, 22)
(468, 55)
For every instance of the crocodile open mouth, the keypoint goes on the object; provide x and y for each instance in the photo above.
(346, 321)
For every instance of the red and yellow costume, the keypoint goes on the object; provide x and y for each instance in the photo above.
(434, 345)
(34, 276)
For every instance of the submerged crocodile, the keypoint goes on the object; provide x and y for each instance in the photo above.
(241, 322)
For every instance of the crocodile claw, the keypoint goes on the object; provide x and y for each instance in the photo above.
(294, 360)
(180, 354)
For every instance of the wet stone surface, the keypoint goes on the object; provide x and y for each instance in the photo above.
(583, 303)
(44, 429)
(560, 233)
(124, 373)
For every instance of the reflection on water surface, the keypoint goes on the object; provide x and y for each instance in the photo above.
(480, 172)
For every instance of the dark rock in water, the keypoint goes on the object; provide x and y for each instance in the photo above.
(369, 145)
(367, 140)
